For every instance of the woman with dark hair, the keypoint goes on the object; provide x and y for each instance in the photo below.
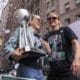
(64, 59)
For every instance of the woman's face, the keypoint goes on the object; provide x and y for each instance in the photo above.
(37, 22)
(53, 19)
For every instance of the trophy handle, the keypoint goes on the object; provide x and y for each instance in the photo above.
(27, 46)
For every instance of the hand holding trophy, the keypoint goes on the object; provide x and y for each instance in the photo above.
(22, 17)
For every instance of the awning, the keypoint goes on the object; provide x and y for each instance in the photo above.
(76, 28)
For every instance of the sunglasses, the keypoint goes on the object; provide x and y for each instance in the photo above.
(52, 18)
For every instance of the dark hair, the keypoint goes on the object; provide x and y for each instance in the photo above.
(55, 12)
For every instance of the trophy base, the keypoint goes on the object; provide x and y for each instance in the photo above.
(35, 52)
(27, 48)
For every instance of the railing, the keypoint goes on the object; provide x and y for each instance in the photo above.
(6, 77)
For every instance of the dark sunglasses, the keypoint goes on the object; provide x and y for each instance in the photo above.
(52, 18)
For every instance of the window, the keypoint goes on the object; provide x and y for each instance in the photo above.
(37, 3)
(23, 3)
(67, 21)
(38, 11)
(47, 29)
(77, 2)
(52, 2)
(67, 6)
(48, 5)
(78, 17)
(31, 8)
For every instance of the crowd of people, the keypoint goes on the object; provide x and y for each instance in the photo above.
(61, 45)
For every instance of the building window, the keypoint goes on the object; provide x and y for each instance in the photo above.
(77, 2)
(48, 5)
(23, 3)
(38, 11)
(78, 17)
(37, 3)
(67, 21)
(67, 6)
(52, 3)
(47, 29)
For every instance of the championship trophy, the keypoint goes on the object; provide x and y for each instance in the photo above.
(22, 17)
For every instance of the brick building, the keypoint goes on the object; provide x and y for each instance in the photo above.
(68, 10)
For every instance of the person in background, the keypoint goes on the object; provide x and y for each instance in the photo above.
(29, 67)
(64, 59)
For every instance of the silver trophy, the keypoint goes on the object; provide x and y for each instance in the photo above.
(22, 17)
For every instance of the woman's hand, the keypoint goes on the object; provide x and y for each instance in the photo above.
(18, 54)
(76, 66)
(46, 45)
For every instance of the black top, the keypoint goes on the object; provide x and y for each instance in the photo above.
(34, 57)
(62, 52)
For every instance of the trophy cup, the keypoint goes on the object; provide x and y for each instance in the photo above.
(22, 17)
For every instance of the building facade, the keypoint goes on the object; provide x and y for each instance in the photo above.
(68, 10)
(8, 24)
(4, 8)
